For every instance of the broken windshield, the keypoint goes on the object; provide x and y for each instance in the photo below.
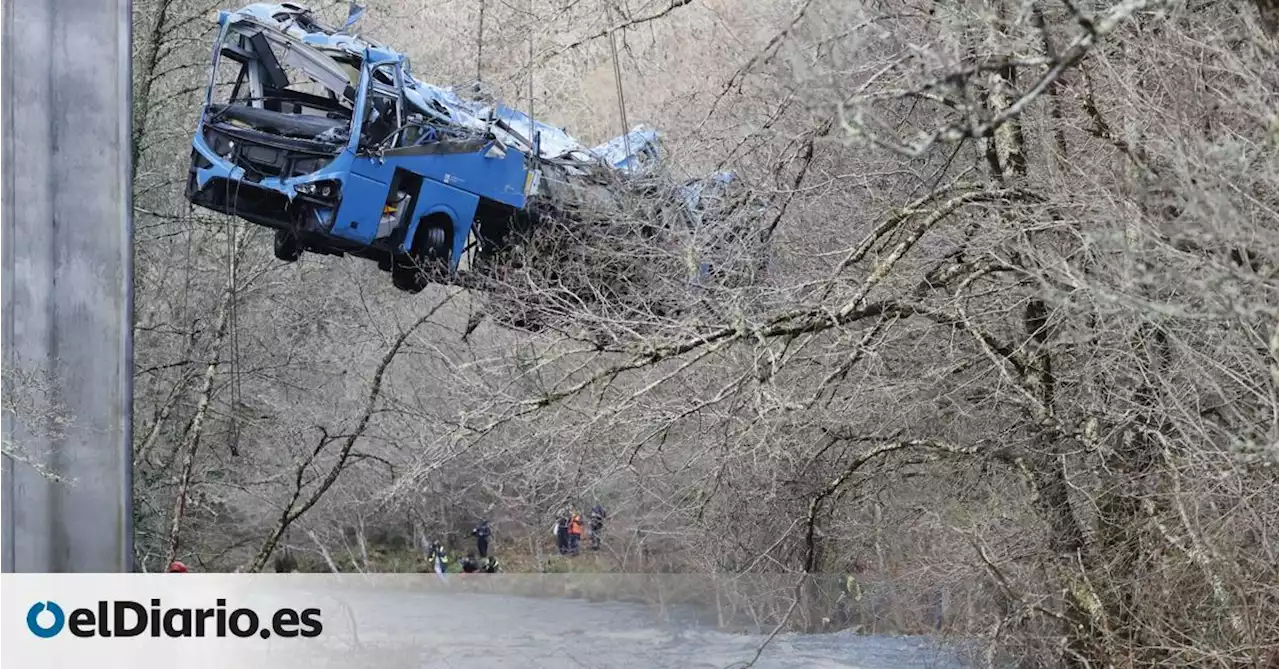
(262, 69)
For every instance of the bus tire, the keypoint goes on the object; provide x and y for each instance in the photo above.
(287, 246)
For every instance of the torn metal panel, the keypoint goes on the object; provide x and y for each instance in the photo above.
(642, 142)
(443, 103)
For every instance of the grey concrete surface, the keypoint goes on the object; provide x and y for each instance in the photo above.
(67, 283)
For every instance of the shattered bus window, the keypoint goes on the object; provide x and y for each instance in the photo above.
(384, 108)
(230, 83)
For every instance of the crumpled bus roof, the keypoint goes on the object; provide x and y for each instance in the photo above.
(448, 107)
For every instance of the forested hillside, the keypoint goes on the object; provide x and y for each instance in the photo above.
(1006, 329)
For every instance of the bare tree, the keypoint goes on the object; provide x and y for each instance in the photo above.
(987, 318)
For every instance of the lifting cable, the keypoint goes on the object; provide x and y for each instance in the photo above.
(233, 334)
(530, 70)
(480, 43)
(617, 79)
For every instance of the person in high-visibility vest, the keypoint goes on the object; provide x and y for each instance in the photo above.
(438, 558)
(847, 603)
(850, 588)
(575, 533)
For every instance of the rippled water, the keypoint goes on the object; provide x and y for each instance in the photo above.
(453, 631)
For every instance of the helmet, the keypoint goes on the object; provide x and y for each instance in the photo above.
(177, 567)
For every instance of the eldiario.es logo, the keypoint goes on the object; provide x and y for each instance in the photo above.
(124, 618)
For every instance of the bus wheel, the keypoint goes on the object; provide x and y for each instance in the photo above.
(428, 259)
(287, 247)
(435, 242)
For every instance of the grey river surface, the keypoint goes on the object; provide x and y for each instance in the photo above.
(472, 630)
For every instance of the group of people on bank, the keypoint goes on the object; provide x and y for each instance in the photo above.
(568, 531)
(476, 560)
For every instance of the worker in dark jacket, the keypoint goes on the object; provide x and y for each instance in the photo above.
(469, 563)
(561, 530)
(597, 526)
(482, 534)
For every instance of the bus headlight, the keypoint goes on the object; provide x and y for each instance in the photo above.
(327, 189)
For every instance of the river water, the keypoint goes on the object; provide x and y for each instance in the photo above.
(473, 630)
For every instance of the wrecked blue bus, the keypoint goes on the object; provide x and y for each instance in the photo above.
(328, 139)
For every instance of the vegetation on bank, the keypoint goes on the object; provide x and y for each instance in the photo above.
(1004, 344)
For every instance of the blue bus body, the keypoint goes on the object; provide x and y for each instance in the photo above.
(411, 200)
(328, 139)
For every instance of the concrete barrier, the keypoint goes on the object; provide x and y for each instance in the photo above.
(67, 288)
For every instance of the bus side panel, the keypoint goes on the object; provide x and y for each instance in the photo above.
(458, 205)
(502, 179)
(361, 208)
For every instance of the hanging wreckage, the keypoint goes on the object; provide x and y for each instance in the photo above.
(327, 138)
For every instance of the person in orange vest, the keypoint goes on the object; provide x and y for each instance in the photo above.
(575, 532)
